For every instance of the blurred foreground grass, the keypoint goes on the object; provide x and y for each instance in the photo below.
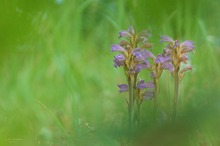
(58, 83)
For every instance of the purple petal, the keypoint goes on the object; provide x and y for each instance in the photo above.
(136, 51)
(123, 87)
(120, 57)
(124, 33)
(119, 60)
(166, 39)
(142, 55)
(160, 59)
(139, 56)
(187, 46)
(141, 66)
(147, 54)
(117, 48)
(149, 84)
(141, 84)
(168, 66)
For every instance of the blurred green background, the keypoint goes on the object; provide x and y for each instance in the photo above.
(58, 85)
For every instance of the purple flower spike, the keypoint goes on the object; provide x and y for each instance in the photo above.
(117, 48)
(166, 39)
(123, 87)
(119, 60)
(141, 84)
(187, 46)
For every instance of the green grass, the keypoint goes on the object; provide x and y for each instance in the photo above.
(58, 83)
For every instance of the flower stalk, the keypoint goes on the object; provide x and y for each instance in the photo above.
(156, 93)
(133, 58)
(178, 53)
(176, 93)
(160, 63)
(131, 101)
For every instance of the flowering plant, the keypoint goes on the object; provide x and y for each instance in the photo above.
(178, 53)
(135, 56)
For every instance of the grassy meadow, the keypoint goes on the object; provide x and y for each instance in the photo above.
(58, 85)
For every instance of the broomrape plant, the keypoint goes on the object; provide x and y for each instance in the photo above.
(134, 56)
(178, 53)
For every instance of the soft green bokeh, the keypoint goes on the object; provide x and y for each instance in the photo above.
(58, 83)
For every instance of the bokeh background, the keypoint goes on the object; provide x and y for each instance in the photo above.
(58, 85)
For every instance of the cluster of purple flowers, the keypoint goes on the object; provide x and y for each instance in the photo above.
(135, 56)
(177, 52)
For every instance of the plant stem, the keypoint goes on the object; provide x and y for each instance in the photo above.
(131, 102)
(176, 93)
(156, 92)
